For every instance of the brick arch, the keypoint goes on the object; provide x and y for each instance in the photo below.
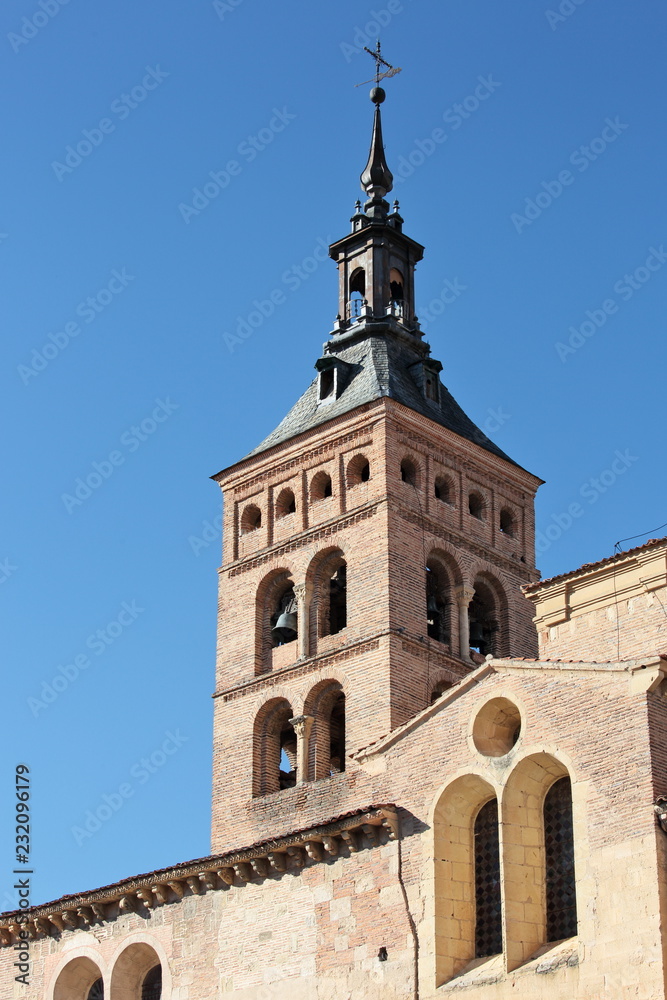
(138, 954)
(443, 576)
(322, 568)
(456, 809)
(488, 585)
(272, 724)
(74, 980)
(410, 469)
(267, 594)
(522, 803)
(323, 700)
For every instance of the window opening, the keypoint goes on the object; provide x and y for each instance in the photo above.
(443, 489)
(327, 381)
(337, 736)
(357, 292)
(507, 522)
(488, 914)
(408, 472)
(559, 856)
(476, 506)
(96, 991)
(439, 690)
(251, 519)
(338, 600)
(286, 504)
(437, 608)
(358, 471)
(284, 619)
(152, 985)
(320, 487)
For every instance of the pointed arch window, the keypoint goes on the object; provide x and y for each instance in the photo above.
(559, 859)
(96, 991)
(337, 736)
(488, 908)
(483, 621)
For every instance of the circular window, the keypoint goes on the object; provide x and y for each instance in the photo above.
(496, 728)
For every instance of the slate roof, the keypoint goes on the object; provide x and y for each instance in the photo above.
(379, 366)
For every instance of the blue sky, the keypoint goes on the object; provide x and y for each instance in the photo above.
(540, 196)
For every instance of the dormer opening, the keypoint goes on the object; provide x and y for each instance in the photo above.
(327, 383)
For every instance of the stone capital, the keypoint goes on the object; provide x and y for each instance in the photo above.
(464, 595)
(302, 725)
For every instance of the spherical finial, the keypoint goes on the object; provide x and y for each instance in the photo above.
(377, 95)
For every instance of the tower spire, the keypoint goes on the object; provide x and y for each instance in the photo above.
(377, 179)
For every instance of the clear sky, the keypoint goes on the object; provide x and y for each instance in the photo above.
(528, 145)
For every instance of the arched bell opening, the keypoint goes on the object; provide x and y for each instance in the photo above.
(483, 621)
(396, 291)
(357, 292)
(274, 747)
(325, 704)
(438, 603)
(284, 627)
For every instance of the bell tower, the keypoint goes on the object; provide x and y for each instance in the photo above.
(375, 544)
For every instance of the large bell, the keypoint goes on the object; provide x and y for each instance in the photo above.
(285, 628)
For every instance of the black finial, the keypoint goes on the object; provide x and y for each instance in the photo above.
(377, 179)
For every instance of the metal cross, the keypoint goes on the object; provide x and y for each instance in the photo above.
(390, 71)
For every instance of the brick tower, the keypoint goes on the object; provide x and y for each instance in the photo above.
(374, 548)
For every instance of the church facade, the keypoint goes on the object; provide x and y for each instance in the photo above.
(433, 772)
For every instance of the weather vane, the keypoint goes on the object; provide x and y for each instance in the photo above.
(390, 70)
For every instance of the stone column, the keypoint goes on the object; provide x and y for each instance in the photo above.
(302, 619)
(464, 596)
(302, 725)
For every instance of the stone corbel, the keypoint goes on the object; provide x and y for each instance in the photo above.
(70, 919)
(6, 936)
(177, 887)
(244, 871)
(127, 903)
(314, 850)
(330, 845)
(371, 834)
(297, 855)
(260, 866)
(194, 884)
(100, 911)
(227, 875)
(161, 893)
(208, 880)
(86, 915)
(57, 920)
(278, 860)
(350, 839)
(390, 823)
(146, 896)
